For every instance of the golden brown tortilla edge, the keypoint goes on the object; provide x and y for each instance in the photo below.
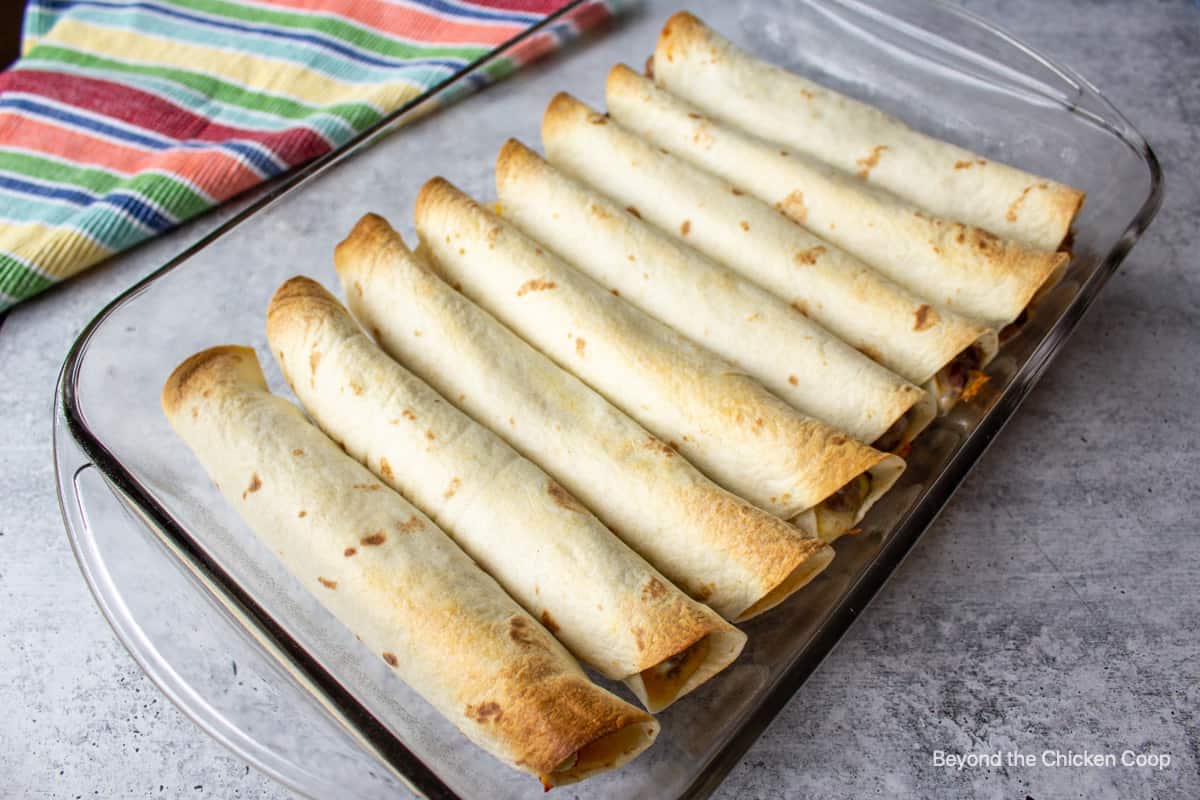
(213, 367)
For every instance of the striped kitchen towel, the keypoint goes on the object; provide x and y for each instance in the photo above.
(125, 117)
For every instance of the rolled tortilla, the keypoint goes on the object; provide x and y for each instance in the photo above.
(854, 302)
(718, 548)
(607, 605)
(390, 575)
(796, 359)
(966, 269)
(738, 433)
(697, 64)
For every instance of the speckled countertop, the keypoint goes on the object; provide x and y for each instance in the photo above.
(1053, 606)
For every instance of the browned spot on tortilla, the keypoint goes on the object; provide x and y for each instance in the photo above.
(637, 638)
(634, 211)
(535, 285)
(737, 192)
(615, 292)
(358, 288)
(385, 469)
(349, 551)
(416, 332)
(926, 317)
(793, 380)
(800, 306)
(837, 439)
(598, 119)
(598, 212)
(430, 435)
(694, 115)
(686, 227)
(1011, 214)
(580, 346)
(705, 591)
(562, 497)
(549, 622)
(659, 446)
(793, 206)
(314, 361)
(983, 239)
(410, 525)
(745, 225)
(375, 331)
(452, 488)
(301, 514)
(809, 257)
(255, 485)
(865, 165)
(374, 540)
(356, 387)
(367, 487)
(485, 712)
(328, 584)
(653, 590)
(195, 412)
(520, 631)
(407, 414)
(391, 659)
(299, 451)
(869, 352)
(963, 164)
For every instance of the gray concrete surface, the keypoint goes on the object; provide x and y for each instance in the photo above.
(1054, 604)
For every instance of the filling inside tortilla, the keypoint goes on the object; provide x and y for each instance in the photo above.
(598, 754)
(667, 678)
(961, 377)
(837, 513)
(899, 437)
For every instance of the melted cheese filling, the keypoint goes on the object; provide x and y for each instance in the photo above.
(665, 679)
(598, 754)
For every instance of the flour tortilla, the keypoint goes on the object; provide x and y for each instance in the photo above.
(796, 359)
(854, 302)
(950, 264)
(608, 606)
(738, 433)
(390, 575)
(718, 548)
(699, 65)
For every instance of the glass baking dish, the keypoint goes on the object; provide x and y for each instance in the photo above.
(251, 657)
